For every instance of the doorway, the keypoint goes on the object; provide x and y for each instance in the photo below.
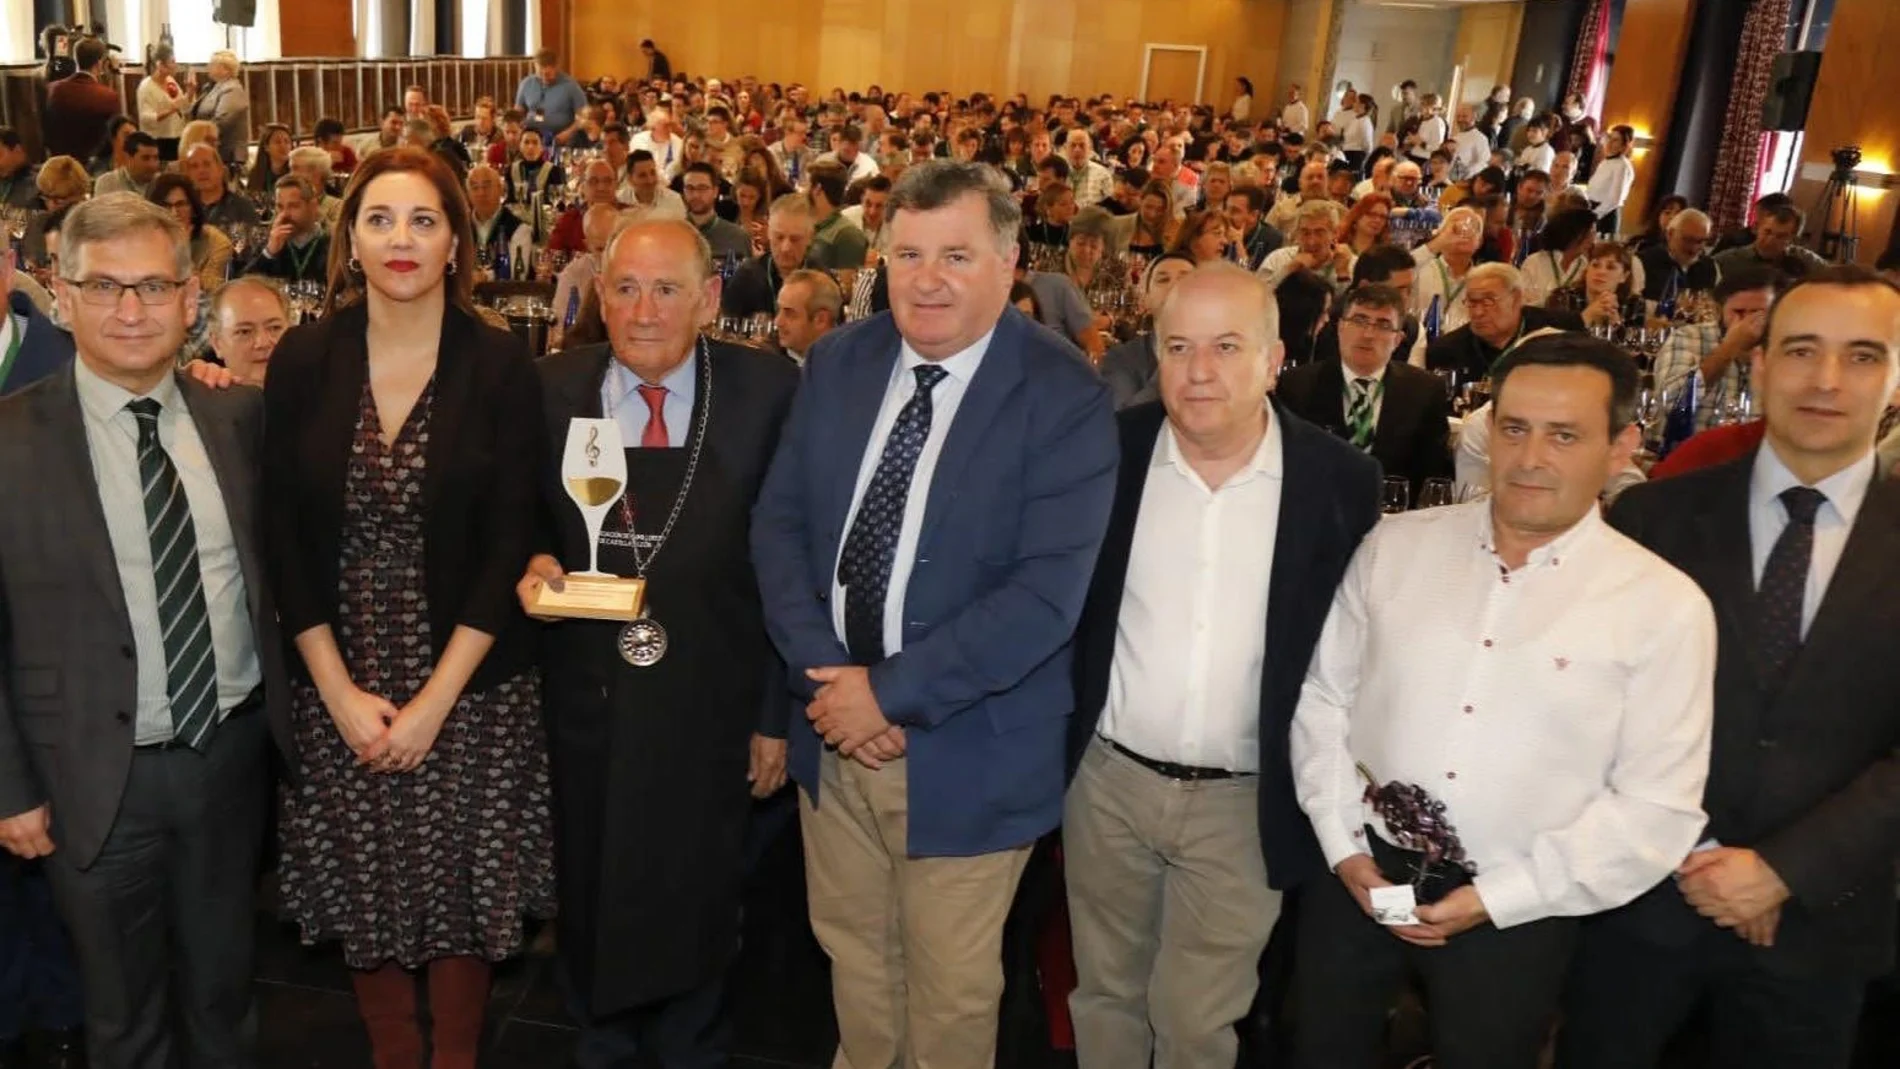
(1173, 72)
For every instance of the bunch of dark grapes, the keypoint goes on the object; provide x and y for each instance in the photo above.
(1418, 821)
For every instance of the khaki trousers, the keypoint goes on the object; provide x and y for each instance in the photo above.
(1169, 909)
(915, 943)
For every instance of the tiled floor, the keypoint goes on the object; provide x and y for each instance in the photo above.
(779, 1001)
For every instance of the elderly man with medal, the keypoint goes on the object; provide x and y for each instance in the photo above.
(663, 696)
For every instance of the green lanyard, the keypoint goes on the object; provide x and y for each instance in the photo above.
(299, 262)
(13, 348)
(1561, 277)
(1444, 282)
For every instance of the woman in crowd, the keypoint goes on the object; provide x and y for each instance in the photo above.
(1243, 103)
(1134, 155)
(1055, 206)
(419, 831)
(1367, 223)
(210, 247)
(1086, 263)
(197, 132)
(1658, 231)
(111, 154)
(273, 160)
(1606, 294)
(1202, 236)
(756, 159)
(752, 200)
(1562, 257)
(1305, 301)
(62, 183)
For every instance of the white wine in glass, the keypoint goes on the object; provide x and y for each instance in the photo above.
(594, 470)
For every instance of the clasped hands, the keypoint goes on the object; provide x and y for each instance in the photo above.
(1459, 911)
(384, 738)
(846, 715)
(1735, 888)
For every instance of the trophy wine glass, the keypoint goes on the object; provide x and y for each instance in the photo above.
(1396, 495)
(1436, 491)
(594, 471)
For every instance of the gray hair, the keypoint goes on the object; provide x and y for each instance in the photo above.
(702, 249)
(1690, 215)
(824, 291)
(268, 285)
(1314, 209)
(313, 156)
(792, 204)
(1499, 272)
(1224, 269)
(111, 217)
(934, 184)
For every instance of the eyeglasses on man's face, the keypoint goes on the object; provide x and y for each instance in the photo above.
(108, 292)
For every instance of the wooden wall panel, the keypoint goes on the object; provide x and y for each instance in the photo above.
(1037, 47)
(1853, 105)
(313, 28)
(1642, 91)
(1487, 46)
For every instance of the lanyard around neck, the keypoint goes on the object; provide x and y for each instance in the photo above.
(1452, 293)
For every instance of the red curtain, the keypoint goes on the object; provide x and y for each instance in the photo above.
(1738, 164)
(1587, 64)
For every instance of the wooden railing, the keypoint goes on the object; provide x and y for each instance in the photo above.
(298, 92)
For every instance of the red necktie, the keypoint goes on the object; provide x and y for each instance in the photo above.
(654, 437)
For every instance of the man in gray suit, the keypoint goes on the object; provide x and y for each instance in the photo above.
(138, 643)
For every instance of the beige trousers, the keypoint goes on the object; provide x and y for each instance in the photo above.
(915, 943)
(1169, 909)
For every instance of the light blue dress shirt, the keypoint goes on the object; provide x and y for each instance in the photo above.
(620, 401)
(1767, 517)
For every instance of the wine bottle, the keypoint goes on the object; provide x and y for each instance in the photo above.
(519, 268)
(1679, 425)
(1433, 323)
(573, 309)
(502, 267)
(1666, 307)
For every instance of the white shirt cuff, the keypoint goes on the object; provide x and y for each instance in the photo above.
(1510, 896)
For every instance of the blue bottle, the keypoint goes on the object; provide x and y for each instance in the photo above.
(1434, 320)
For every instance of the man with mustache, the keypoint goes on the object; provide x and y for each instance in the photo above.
(1530, 691)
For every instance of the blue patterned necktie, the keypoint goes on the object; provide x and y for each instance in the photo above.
(1784, 582)
(191, 669)
(864, 568)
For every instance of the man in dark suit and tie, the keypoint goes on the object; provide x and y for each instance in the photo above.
(1233, 522)
(1785, 911)
(1391, 410)
(923, 542)
(143, 673)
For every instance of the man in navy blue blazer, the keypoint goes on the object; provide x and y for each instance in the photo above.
(924, 542)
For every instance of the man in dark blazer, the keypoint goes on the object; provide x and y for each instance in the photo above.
(1388, 409)
(924, 542)
(1786, 911)
(1500, 318)
(143, 675)
(36, 967)
(31, 347)
(1189, 663)
(655, 766)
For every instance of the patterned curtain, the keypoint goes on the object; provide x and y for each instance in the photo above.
(1738, 163)
(1586, 65)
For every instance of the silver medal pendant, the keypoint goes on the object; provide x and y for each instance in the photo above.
(642, 642)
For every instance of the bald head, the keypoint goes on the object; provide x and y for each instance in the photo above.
(1218, 339)
(598, 225)
(484, 190)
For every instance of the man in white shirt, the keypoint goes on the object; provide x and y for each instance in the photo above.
(1093, 182)
(868, 213)
(643, 195)
(1610, 183)
(1470, 149)
(1529, 693)
(1315, 248)
(659, 140)
(847, 152)
(1348, 96)
(1295, 118)
(1785, 910)
(1179, 823)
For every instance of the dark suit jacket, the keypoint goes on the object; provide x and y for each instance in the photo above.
(284, 264)
(1471, 356)
(1013, 517)
(1413, 436)
(44, 348)
(1803, 769)
(68, 667)
(479, 490)
(1328, 501)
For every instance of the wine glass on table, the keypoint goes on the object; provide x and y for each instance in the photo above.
(594, 472)
(1435, 492)
(1395, 496)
